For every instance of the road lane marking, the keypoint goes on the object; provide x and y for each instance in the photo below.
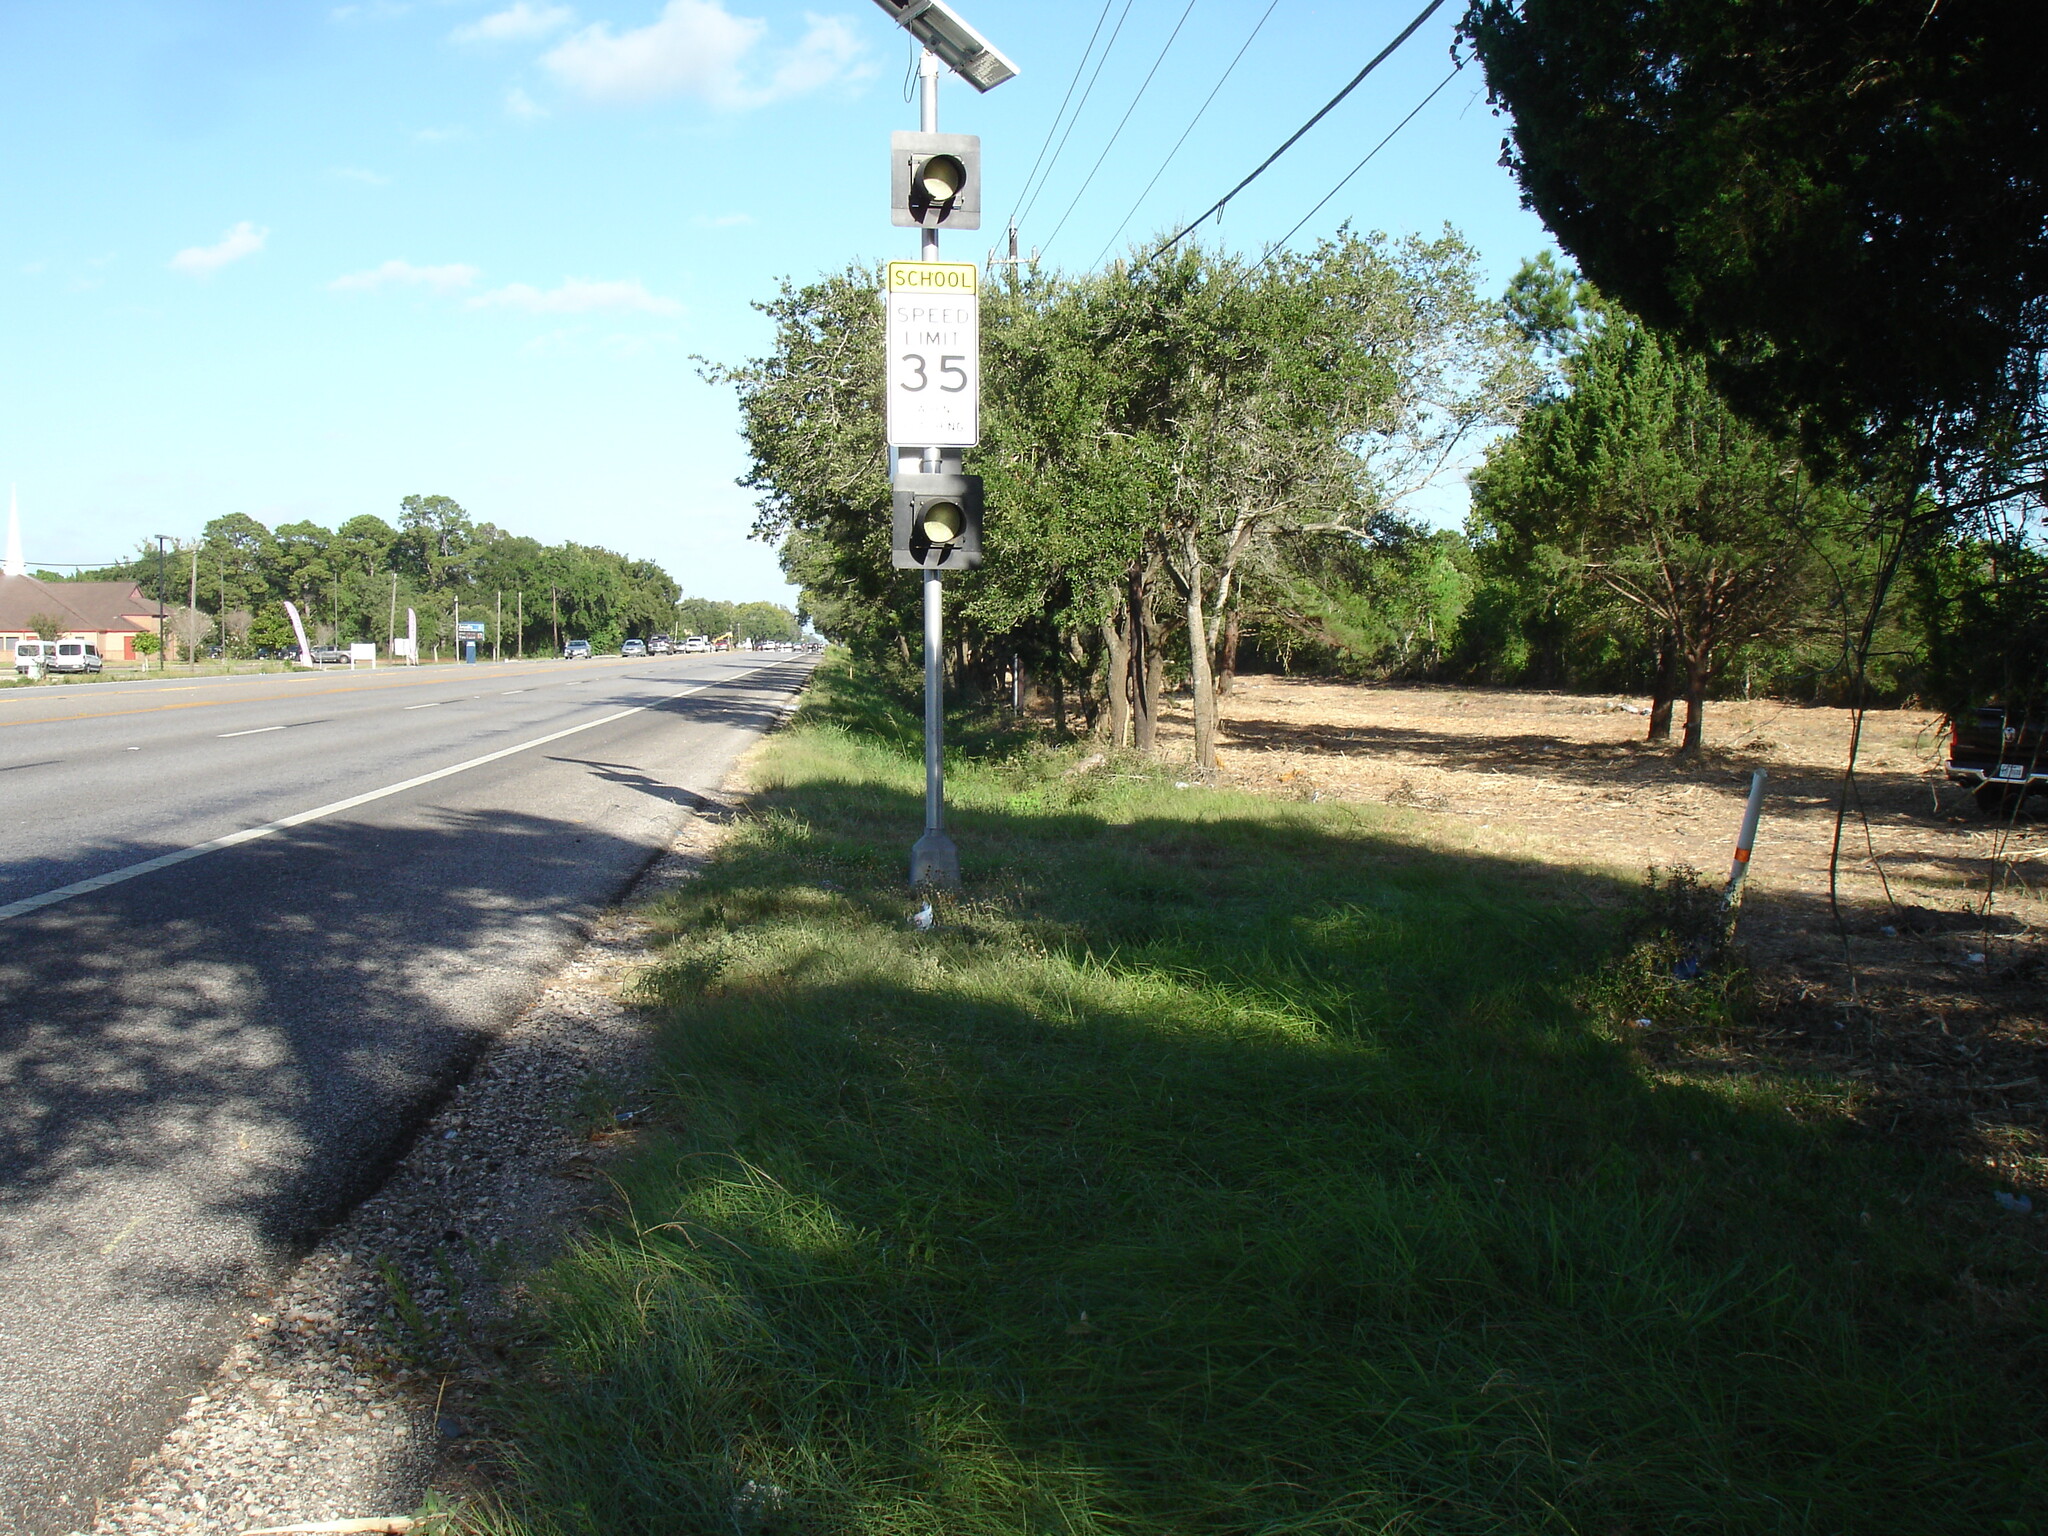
(108, 714)
(435, 705)
(151, 709)
(258, 731)
(27, 904)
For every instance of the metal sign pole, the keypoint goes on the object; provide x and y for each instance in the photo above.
(933, 860)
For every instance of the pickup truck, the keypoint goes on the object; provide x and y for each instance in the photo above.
(2000, 757)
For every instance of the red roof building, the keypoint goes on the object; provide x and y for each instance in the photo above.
(108, 613)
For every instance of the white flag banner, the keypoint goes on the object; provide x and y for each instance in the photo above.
(299, 629)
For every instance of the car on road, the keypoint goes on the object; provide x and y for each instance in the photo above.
(695, 644)
(660, 645)
(576, 650)
(633, 648)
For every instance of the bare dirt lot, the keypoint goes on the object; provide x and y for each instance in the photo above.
(1924, 990)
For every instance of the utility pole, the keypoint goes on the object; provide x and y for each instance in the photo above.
(391, 637)
(192, 596)
(1013, 259)
(519, 605)
(163, 650)
(555, 603)
(498, 630)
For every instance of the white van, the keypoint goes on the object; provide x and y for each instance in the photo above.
(71, 656)
(32, 654)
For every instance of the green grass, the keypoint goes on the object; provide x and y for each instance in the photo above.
(1222, 1164)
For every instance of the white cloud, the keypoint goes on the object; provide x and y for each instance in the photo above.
(698, 48)
(577, 296)
(245, 239)
(403, 274)
(722, 220)
(517, 22)
(440, 135)
(357, 173)
(519, 104)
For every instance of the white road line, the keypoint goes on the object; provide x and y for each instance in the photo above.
(28, 904)
(435, 705)
(510, 691)
(258, 731)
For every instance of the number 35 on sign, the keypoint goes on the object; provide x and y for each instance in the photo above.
(934, 339)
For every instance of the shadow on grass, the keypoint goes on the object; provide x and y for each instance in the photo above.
(1220, 1165)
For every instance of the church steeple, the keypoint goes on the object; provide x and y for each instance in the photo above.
(16, 566)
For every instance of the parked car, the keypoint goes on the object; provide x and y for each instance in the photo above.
(695, 644)
(633, 648)
(660, 645)
(330, 655)
(2000, 758)
(576, 650)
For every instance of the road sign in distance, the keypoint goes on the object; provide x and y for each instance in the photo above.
(937, 523)
(933, 324)
(935, 180)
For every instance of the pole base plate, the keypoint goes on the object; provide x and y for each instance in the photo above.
(935, 861)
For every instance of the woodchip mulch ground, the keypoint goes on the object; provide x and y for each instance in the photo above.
(1922, 979)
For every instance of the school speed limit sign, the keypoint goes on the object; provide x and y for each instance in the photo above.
(934, 340)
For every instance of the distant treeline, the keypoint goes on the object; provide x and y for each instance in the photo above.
(355, 583)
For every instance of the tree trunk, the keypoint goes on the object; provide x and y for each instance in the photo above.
(1226, 657)
(1698, 670)
(1119, 674)
(1059, 701)
(1147, 672)
(1663, 689)
(1203, 679)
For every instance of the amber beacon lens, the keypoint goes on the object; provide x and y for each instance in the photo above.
(943, 521)
(942, 177)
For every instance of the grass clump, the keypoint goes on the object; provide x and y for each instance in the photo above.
(1218, 1164)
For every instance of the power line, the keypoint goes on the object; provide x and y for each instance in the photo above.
(1383, 143)
(1088, 180)
(1245, 270)
(1329, 106)
(1107, 49)
(1199, 111)
(1054, 126)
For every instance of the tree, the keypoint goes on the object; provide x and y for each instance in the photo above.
(1149, 431)
(363, 545)
(764, 621)
(1691, 516)
(434, 541)
(299, 566)
(45, 626)
(1840, 202)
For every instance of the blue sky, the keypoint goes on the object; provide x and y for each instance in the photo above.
(303, 260)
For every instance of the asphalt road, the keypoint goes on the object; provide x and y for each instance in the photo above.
(251, 929)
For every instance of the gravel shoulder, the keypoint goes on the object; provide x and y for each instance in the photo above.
(348, 1396)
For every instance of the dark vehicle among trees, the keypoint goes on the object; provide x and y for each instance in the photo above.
(1997, 751)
